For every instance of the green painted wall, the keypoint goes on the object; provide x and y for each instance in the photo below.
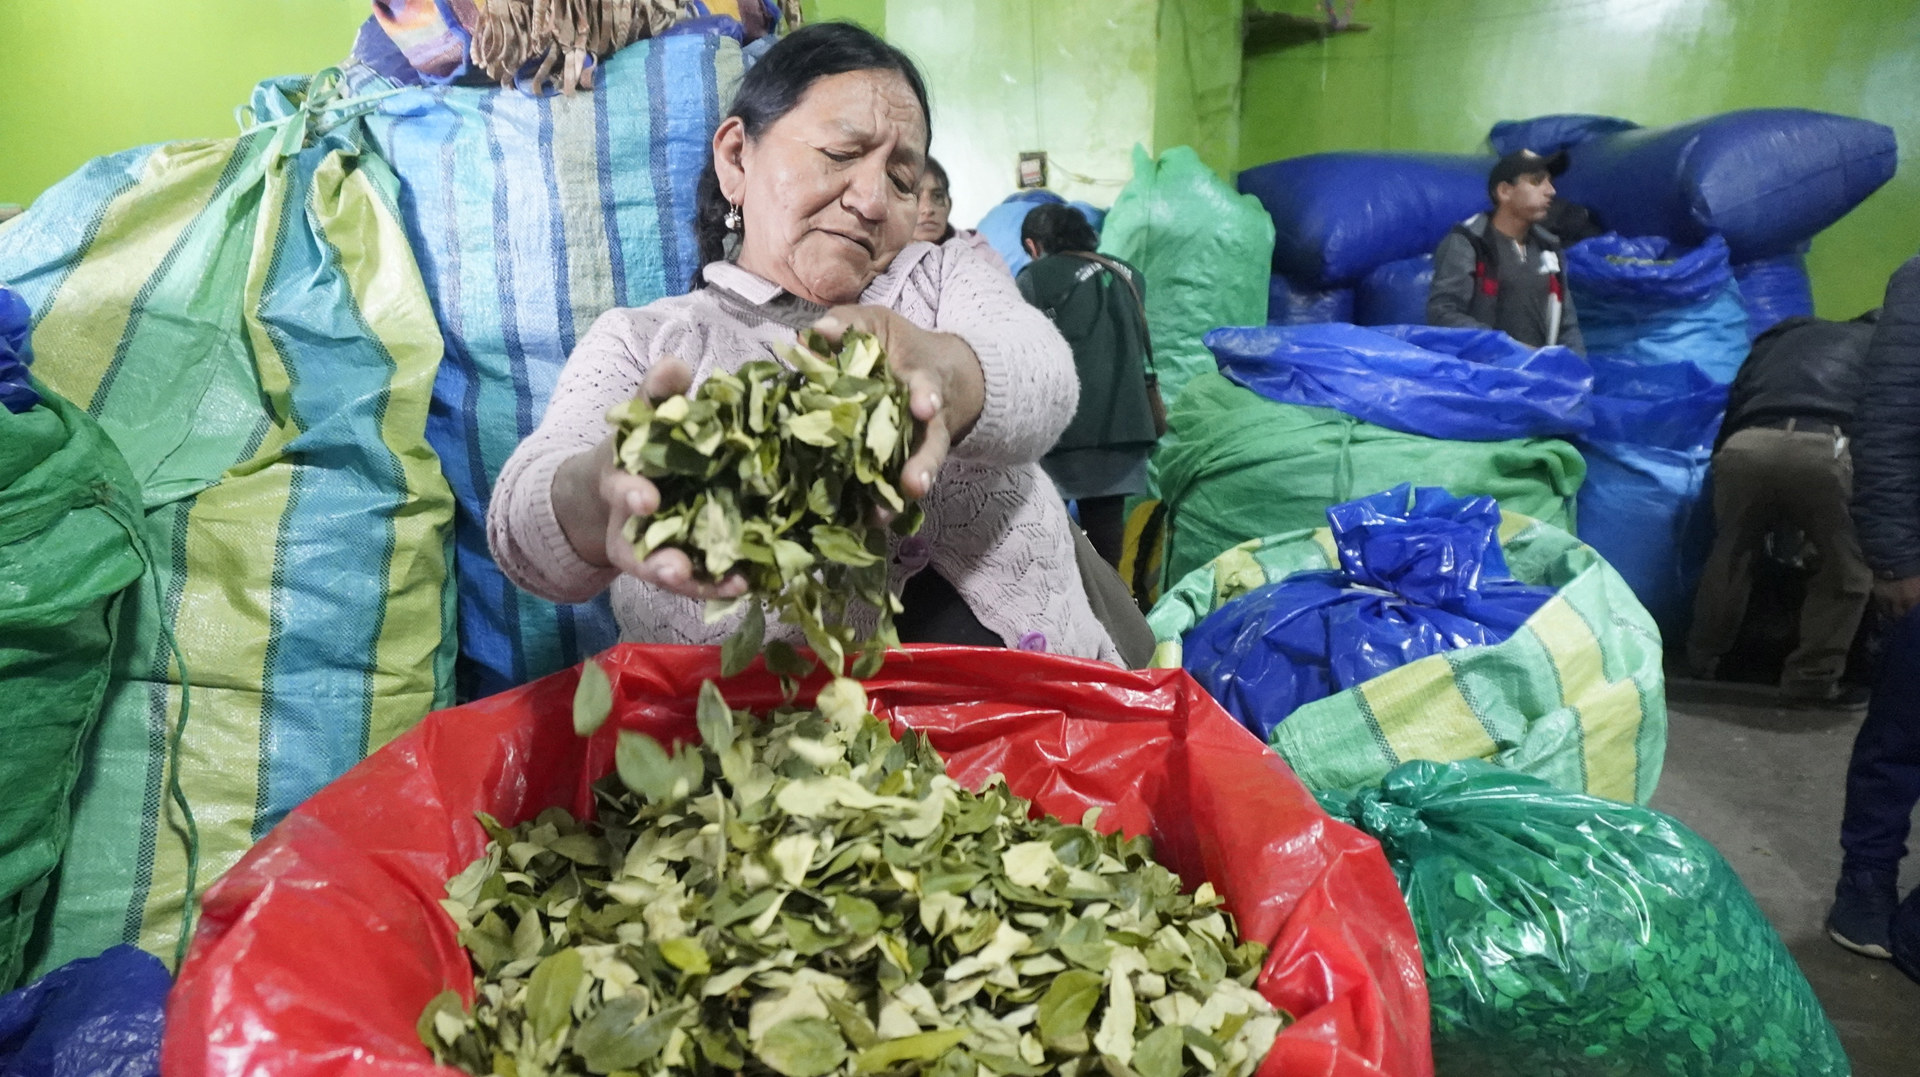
(1197, 80)
(1436, 74)
(87, 77)
(871, 14)
(1072, 77)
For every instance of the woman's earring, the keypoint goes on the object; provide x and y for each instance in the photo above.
(733, 217)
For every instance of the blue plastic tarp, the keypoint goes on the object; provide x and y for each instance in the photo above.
(1002, 223)
(1645, 505)
(1773, 290)
(99, 1017)
(1338, 216)
(1289, 304)
(1656, 301)
(16, 353)
(1421, 572)
(1546, 135)
(1395, 293)
(1766, 179)
(1455, 384)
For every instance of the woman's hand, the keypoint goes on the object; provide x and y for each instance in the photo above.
(593, 499)
(946, 388)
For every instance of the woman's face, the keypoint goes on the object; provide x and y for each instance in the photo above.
(935, 205)
(828, 193)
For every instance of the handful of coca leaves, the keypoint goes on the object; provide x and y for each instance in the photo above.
(779, 474)
(805, 895)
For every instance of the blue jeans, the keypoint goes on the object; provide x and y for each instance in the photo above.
(1883, 779)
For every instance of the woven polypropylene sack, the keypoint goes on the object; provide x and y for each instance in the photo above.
(70, 546)
(1203, 250)
(340, 902)
(246, 320)
(1654, 301)
(1237, 466)
(1579, 936)
(531, 217)
(1575, 697)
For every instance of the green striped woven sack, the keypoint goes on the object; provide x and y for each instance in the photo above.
(1575, 697)
(245, 319)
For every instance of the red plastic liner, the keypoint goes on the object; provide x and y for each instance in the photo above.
(317, 952)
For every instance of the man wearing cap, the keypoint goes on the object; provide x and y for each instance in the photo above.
(1502, 270)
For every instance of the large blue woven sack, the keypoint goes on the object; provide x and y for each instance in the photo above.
(1338, 216)
(1766, 179)
(531, 217)
(1645, 505)
(1774, 289)
(1655, 301)
(1546, 135)
(1395, 293)
(1454, 384)
(1290, 304)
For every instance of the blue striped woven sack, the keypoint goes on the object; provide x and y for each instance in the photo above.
(532, 216)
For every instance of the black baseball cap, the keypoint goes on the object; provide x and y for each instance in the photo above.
(1524, 163)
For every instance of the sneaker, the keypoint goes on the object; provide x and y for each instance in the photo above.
(1861, 919)
(1828, 695)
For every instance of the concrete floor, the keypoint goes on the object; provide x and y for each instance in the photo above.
(1765, 784)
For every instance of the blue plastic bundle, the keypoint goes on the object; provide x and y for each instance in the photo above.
(1455, 384)
(1414, 580)
(1654, 301)
(1546, 135)
(1289, 304)
(1395, 293)
(1002, 223)
(99, 1017)
(16, 353)
(1644, 506)
(1338, 216)
(1766, 179)
(1774, 289)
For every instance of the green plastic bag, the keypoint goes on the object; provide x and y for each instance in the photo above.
(1204, 249)
(1236, 466)
(1576, 697)
(70, 547)
(1571, 936)
(246, 320)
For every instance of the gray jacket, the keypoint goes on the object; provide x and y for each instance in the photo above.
(1470, 258)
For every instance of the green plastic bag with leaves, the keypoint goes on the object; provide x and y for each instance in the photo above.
(1204, 249)
(70, 546)
(1577, 936)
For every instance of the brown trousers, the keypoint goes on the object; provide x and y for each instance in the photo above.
(1766, 478)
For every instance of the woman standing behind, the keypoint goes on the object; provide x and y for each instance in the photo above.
(936, 206)
(1098, 304)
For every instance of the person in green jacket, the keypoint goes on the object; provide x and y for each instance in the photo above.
(1098, 304)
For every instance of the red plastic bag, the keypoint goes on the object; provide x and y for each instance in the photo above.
(317, 952)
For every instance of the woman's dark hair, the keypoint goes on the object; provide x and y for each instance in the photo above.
(1055, 228)
(939, 174)
(775, 84)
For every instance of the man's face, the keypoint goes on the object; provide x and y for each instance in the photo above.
(1528, 197)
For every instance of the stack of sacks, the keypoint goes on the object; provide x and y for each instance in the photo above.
(1340, 216)
(531, 217)
(1767, 180)
(1301, 418)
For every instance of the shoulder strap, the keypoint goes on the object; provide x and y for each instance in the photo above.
(1133, 289)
